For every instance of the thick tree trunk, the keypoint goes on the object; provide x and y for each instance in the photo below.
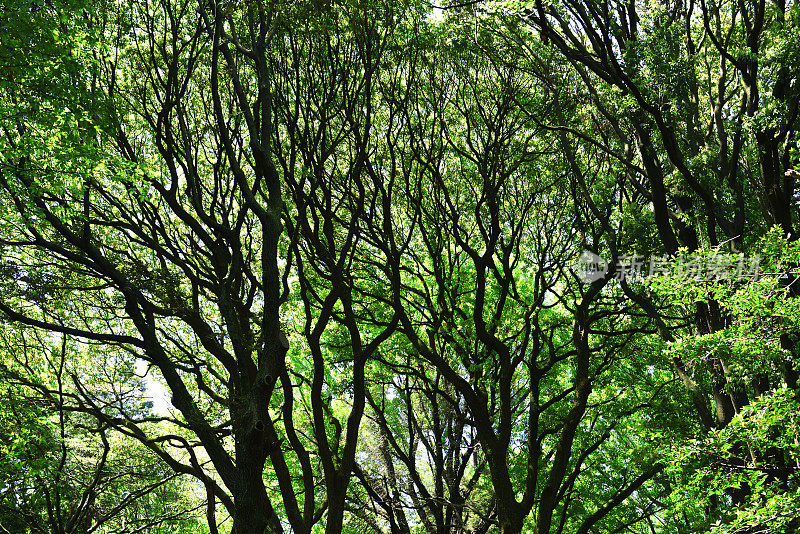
(254, 512)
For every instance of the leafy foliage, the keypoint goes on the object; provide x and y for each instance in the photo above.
(339, 242)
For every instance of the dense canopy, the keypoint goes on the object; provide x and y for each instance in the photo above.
(391, 267)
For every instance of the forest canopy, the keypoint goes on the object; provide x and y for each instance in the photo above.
(392, 267)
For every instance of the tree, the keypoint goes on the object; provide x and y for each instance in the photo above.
(65, 471)
(114, 195)
(479, 278)
(155, 207)
(697, 104)
(342, 235)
